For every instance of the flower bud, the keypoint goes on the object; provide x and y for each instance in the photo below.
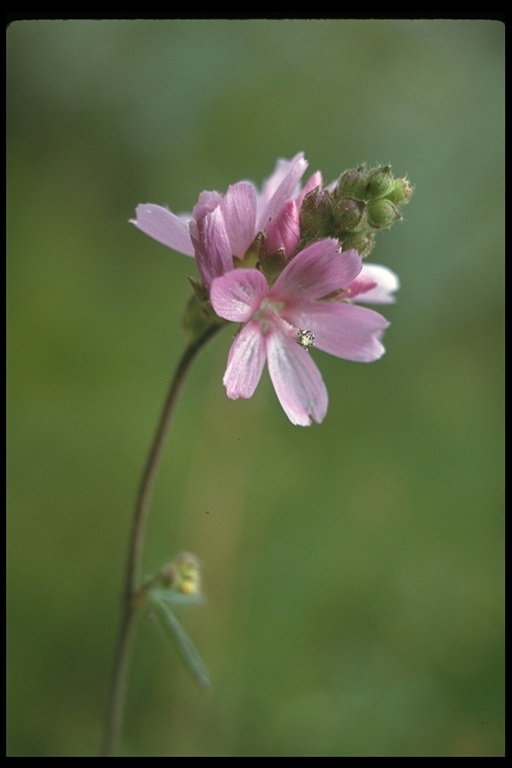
(380, 182)
(362, 242)
(183, 574)
(352, 183)
(382, 213)
(401, 192)
(350, 214)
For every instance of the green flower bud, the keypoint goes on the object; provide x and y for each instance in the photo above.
(361, 202)
(352, 183)
(349, 214)
(382, 213)
(401, 192)
(380, 182)
(362, 242)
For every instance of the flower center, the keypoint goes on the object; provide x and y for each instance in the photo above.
(269, 315)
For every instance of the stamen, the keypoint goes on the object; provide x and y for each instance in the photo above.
(305, 338)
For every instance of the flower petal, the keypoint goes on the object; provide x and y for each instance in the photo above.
(236, 295)
(213, 248)
(207, 202)
(296, 379)
(245, 362)
(279, 188)
(284, 230)
(164, 226)
(317, 271)
(362, 284)
(343, 330)
(281, 169)
(239, 209)
(383, 284)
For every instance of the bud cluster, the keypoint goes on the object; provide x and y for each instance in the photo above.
(352, 210)
(182, 575)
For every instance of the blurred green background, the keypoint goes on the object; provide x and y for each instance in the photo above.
(353, 570)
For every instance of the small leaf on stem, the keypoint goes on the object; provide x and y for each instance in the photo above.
(179, 637)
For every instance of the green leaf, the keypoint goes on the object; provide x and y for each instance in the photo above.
(179, 637)
(170, 597)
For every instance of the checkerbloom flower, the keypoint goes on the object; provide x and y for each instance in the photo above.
(286, 298)
(307, 305)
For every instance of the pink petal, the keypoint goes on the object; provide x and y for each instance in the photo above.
(281, 169)
(284, 230)
(239, 209)
(381, 284)
(207, 202)
(281, 186)
(317, 271)
(296, 379)
(245, 362)
(213, 248)
(236, 295)
(343, 330)
(164, 226)
(362, 284)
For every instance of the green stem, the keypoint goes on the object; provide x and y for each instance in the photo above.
(130, 611)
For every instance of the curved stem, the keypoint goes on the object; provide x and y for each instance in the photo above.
(130, 609)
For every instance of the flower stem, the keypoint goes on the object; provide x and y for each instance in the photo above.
(130, 611)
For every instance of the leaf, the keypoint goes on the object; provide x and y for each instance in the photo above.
(170, 597)
(179, 637)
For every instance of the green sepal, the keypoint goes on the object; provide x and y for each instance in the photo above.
(316, 217)
(253, 254)
(175, 632)
(199, 314)
(272, 264)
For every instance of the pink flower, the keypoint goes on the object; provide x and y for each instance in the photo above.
(221, 228)
(302, 307)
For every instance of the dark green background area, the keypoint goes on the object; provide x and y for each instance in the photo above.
(353, 570)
